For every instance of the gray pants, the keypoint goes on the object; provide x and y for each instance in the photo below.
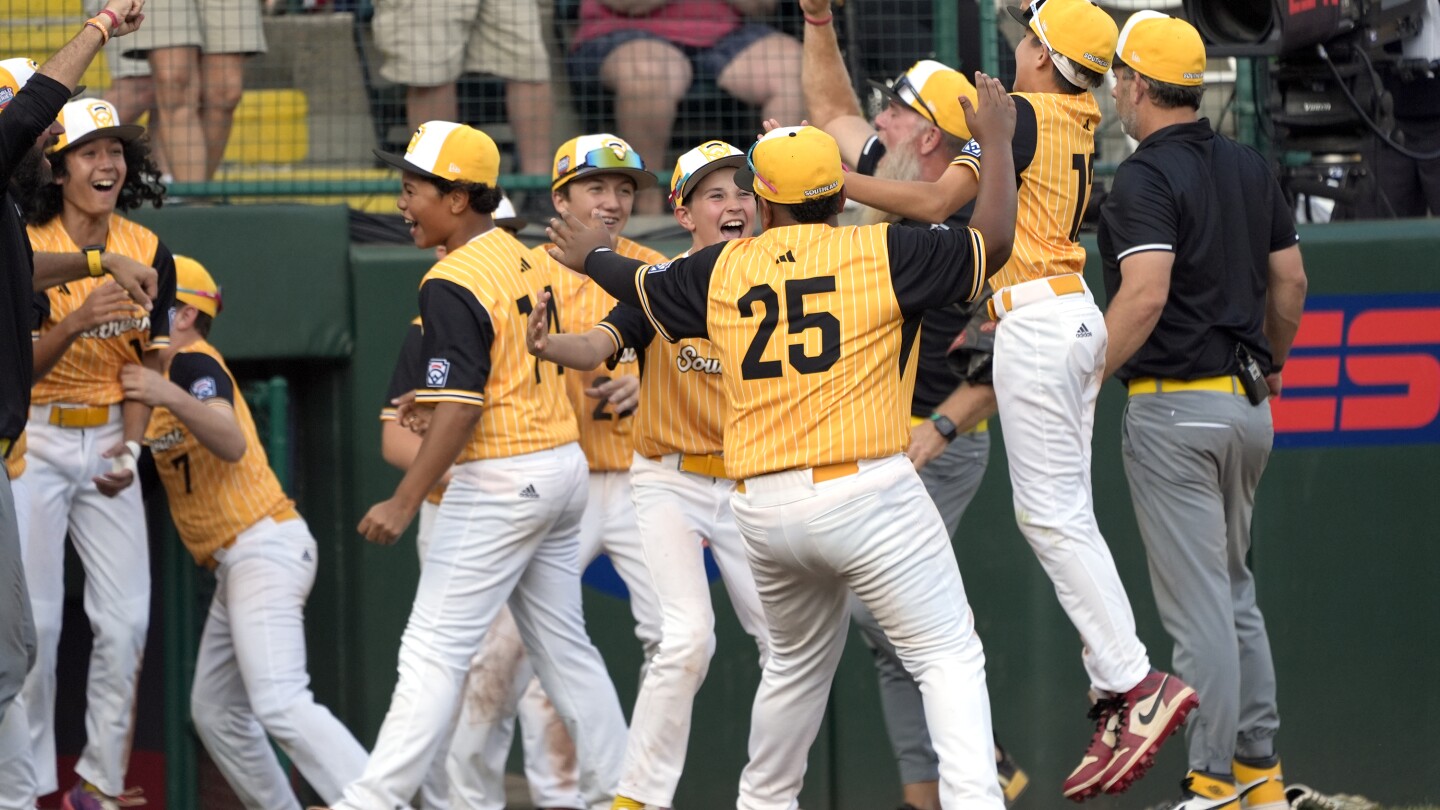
(1193, 459)
(17, 655)
(951, 479)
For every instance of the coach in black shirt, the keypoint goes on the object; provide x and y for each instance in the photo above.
(30, 99)
(1206, 289)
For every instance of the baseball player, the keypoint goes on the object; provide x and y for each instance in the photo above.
(682, 494)
(507, 528)
(477, 768)
(813, 326)
(84, 440)
(233, 517)
(1206, 288)
(915, 135)
(1049, 357)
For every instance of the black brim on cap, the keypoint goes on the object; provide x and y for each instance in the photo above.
(399, 162)
(888, 92)
(512, 223)
(1018, 14)
(744, 178)
(126, 133)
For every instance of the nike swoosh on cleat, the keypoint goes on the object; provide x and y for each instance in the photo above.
(1147, 717)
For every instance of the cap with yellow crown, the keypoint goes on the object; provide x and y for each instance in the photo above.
(444, 150)
(88, 119)
(596, 154)
(195, 286)
(1163, 48)
(698, 162)
(933, 90)
(15, 72)
(1078, 30)
(790, 165)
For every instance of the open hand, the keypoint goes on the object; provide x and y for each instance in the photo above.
(992, 119)
(537, 331)
(574, 240)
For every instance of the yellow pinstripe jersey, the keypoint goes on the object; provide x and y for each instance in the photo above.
(409, 369)
(89, 371)
(815, 327)
(682, 398)
(474, 307)
(606, 436)
(211, 500)
(1054, 156)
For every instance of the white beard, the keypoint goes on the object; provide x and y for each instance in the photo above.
(901, 162)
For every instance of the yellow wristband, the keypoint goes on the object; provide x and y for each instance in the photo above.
(92, 261)
(98, 25)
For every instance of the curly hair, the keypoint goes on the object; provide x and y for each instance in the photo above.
(484, 199)
(43, 201)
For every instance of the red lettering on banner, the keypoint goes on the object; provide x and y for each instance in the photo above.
(1395, 327)
(1415, 408)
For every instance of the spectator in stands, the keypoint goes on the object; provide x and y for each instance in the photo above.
(197, 50)
(131, 89)
(648, 52)
(427, 47)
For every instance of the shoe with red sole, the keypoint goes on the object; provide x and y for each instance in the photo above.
(1084, 782)
(1149, 713)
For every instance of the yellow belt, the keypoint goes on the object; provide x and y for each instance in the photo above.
(708, 464)
(79, 416)
(1068, 284)
(981, 427)
(1156, 385)
(827, 472)
(5, 445)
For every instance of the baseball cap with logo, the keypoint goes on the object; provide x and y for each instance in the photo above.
(698, 162)
(195, 286)
(596, 154)
(15, 72)
(1163, 48)
(87, 119)
(1078, 30)
(444, 150)
(791, 165)
(933, 90)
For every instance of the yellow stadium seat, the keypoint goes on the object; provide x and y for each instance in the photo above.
(37, 36)
(271, 127)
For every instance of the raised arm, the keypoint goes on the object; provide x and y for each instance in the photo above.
(830, 102)
(921, 200)
(68, 64)
(992, 124)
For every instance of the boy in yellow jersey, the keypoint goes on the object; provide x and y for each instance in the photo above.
(84, 438)
(507, 527)
(682, 493)
(814, 326)
(250, 675)
(1049, 360)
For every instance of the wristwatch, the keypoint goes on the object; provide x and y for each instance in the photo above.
(92, 259)
(945, 427)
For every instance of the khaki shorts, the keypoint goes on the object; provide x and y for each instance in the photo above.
(215, 26)
(425, 43)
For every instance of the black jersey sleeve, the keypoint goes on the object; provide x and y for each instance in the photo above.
(628, 327)
(24, 117)
(675, 295)
(1022, 146)
(164, 295)
(932, 267)
(1140, 213)
(202, 376)
(1282, 220)
(455, 350)
(870, 155)
(408, 371)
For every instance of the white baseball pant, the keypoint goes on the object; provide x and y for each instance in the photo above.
(110, 537)
(677, 513)
(875, 532)
(17, 772)
(1049, 358)
(608, 525)
(250, 674)
(489, 545)
(460, 778)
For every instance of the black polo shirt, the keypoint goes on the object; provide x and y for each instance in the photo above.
(1214, 204)
(21, 122)
(934, 381)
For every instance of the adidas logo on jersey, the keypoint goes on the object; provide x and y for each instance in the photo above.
(1082, 332)
(787, 256)
(529, 492)
(305, 556)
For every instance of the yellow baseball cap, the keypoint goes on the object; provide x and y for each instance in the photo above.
(698, 162)
(1076, 29)
(15, 72)
(933, 90)
(195, 286)
(90, 118)
(1163, 48)
(445, 150)
(596, 154)
(792, 165)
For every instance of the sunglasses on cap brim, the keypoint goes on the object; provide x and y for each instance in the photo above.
(1025, 15)
(745, 178)
(215, 296)
(605, 158)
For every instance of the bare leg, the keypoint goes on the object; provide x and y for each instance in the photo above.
(767, 74)
(224, 84)
(175, 72)
(648, 78)
(431, 104)
(133, 96)
(530, 104)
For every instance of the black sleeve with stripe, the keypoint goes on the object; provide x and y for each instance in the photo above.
(1140, 213)
(455, 351)
(933, 267)
(631, 326)
(199, 374)
(409, 367)
(674, 295)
